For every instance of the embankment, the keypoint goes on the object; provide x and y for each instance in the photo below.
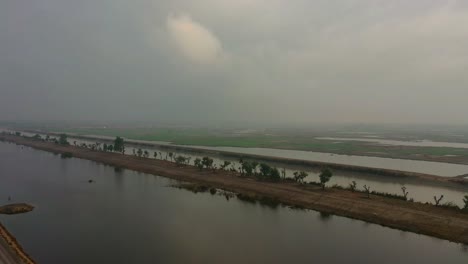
(15, 246)
(279, 160)
(420, 218)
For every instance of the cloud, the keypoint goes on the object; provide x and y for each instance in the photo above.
(195, 41)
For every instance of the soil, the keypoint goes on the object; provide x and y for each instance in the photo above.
(16, 208)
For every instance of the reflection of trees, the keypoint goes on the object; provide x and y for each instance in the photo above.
(464, 248)
(325, 217)
(119, 174)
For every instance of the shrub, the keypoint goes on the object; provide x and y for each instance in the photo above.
(325, 176)
(66, 155)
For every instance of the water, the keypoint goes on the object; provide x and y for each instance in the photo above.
(130, 217)
(419, 190)
(418, 143)
(425, 167)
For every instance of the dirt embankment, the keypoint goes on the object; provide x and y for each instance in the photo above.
(16, 208)
(420, 218)
(15, 246)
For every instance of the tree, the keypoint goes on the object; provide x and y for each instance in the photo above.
(405, 193)
(274, 175)
(146, 154)
(269, 173)
(465, 200)
(207, 162)
(104, 147)
(352, 186)
(63, 139)
(110, 147)
(119, 144)
(198, 163)
(325, 176)
(437, 200)
(180, 160)
(247, 167)
(367, 189)
(139, 152)
(225, 164)
(171, 155)
(299, 176)
(254, 167)
(155, 154)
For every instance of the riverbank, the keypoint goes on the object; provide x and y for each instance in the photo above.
(279, 161)
(12, 250)
(420, 218)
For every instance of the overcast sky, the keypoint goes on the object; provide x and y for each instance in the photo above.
(215, 61)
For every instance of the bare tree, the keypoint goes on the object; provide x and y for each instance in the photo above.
(405, 193)
(367, 189)
(437, 200)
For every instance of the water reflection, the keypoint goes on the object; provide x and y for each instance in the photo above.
(143, 221)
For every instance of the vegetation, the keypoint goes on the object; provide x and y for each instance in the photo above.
(405, 193)
(325, 176)
(63, 139)
(268, 173)
(367, 190)
(225, 165)
(139, 152)
(119, 145)
(207, 162)
(198, 163)
(353, 186)
(66, 155)
(465, 200)
(299, 176)
(180, 160)
(437, 200)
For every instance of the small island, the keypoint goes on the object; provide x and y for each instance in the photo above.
(18, 208)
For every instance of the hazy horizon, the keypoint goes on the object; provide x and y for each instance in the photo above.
(212, 62)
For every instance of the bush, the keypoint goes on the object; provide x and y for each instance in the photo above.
(66, 155)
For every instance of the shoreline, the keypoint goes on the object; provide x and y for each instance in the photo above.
(15, 246)
(436, 221)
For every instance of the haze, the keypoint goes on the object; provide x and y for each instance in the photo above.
(220, 61)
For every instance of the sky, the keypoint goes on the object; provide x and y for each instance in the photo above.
(221, 61)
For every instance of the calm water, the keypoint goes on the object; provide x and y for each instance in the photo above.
(129, 217)
(418, 143)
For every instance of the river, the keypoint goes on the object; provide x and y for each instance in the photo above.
(131, 217)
